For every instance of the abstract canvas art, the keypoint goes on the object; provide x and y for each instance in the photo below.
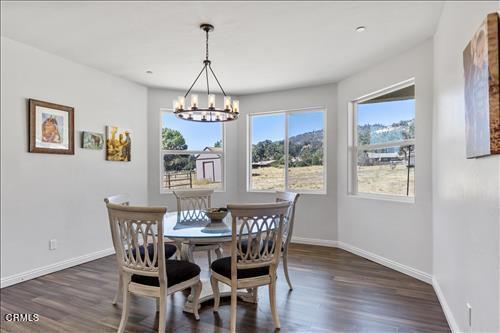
(482, 90)
(118, 144)
(51, 128)
(92, 140)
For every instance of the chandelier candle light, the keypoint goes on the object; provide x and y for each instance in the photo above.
(211, 113)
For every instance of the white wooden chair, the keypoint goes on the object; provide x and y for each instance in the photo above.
(190, 203)
(261, 226)
(288, 227)
(124, 200)
(146, 272)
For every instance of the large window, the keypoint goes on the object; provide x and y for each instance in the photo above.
(287, 151)
(192, 154)
(383, 154)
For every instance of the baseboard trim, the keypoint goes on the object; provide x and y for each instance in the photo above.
(444, 305)
(37, 272)
(314, 241)
(402, 268)
(413, 272)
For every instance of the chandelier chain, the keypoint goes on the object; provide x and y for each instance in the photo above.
(206, 45)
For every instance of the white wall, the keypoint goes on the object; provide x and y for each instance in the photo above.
(162, 98)
(466, 192)
(57, 196)
(397, 231)
(316, 219)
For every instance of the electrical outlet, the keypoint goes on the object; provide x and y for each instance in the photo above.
(469, 315)
(52, 244)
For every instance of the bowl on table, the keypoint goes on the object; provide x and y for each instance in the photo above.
(216, 214)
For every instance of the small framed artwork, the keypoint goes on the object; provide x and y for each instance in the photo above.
(482, 90)
(51, 128)
(118, 144)
(92, 140)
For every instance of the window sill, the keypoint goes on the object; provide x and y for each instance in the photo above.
(164, 191)
(383, 197)
(299, 192)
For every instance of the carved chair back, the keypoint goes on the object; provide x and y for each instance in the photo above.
(190, 203)
(133, 229)
(290, 217)
(256, 231)
(119, 199)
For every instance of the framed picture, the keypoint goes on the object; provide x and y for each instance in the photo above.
(118, 144)
(482, 90)
(92, 140)
(51, 128)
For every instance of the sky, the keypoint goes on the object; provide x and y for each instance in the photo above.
(197, 135)
(272, 127)
(386, 113)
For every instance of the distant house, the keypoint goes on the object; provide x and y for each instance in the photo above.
(208, 165)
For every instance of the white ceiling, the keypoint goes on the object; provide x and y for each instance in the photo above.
(256, 46)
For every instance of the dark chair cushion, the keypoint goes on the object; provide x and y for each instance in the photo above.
(169, 250)
(177, 272)
(222, 266)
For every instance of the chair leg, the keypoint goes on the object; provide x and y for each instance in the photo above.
(119, 290)
(209, 258)
(215, 290)
(218, 252)
(285, 269)
(196, 299)
(234, 304)
(272, 301)
(158, 304)
(125, 305)
(162, 325)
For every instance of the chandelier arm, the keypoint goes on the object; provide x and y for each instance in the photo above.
(216, 79)
(206, 74)
(204, 67)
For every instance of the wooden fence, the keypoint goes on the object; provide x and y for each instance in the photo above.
(177, 179)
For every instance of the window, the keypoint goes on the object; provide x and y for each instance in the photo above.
(383, 154)
(287, 151)
(192, 154)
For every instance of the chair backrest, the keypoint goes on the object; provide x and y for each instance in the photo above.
(119, 199)
(290, 218)
(261, 226)
(133, 229)
(191, 202)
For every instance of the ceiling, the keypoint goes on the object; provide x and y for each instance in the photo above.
(256, 46)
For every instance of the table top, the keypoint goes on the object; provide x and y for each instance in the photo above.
(194, 224)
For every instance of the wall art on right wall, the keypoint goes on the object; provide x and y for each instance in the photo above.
(482, 90)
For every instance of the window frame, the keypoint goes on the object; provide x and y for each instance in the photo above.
(353, 146)
(164, 190)
(286, 113)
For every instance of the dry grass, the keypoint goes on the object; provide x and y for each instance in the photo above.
(378, 179)
(381, 179)
(299, 178)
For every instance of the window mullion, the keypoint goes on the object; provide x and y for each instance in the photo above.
(286, 151)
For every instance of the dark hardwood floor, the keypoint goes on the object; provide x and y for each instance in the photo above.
(334, 291)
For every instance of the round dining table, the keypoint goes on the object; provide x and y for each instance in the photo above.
(190, 228)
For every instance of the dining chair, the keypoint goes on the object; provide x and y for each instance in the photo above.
(146, 272)
(261, 225)
(124, 200)
(190, 204)
(288, 227)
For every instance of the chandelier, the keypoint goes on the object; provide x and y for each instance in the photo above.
(229, 111)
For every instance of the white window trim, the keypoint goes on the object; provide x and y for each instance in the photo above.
(286, 112)
(352, 184)
(189, 152)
